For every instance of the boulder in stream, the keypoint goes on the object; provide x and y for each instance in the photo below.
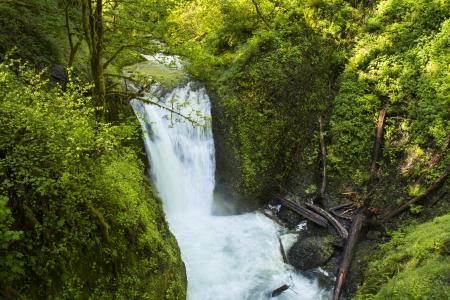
(313, 248)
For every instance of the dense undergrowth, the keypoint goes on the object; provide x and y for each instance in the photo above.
(78, 217)
(81, 218)
(414, 264)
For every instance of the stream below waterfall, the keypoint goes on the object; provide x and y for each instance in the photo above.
(233, 257)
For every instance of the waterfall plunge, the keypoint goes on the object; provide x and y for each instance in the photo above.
(227, 257)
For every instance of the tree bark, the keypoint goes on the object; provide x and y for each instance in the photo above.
(73, 46)
(348, 255)
(93, 29)
(324, 159)
(333, 221)
(304, 212)
(378, 141)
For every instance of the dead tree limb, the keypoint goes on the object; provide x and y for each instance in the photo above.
(273, 218)
(324, 159)
(378, 140)
(283, 253)
(303, 211)
(348, 254)
(279, 290)
(436, 184)
(333, 221)
(341, 206)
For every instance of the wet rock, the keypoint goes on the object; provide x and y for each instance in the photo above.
(311, 252)
(290, 218)
(58, 74)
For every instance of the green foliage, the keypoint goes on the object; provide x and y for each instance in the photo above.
(33, 34)
(414, 264)
(401, 62)
(273, 72)
(81, 222)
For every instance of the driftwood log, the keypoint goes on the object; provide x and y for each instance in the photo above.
(283, 253)
(348, 254)
(303, 211)
(279, 290)
(333, 221)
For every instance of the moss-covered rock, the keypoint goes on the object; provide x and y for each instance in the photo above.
(311, 252)
(314, 247)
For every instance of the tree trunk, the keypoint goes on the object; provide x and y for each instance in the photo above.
(348, 255)
(324, 159)
(93, 28)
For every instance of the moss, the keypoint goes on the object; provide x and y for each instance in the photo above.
(412, 265)
(166, 75)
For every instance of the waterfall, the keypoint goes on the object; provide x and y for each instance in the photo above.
(227, 257)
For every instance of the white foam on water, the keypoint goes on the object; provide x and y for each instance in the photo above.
(227, 257)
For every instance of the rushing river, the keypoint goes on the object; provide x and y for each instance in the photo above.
(227, 257)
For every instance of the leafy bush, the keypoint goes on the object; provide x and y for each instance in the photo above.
(81, 220)
(401, 62)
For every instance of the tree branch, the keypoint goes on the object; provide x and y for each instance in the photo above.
(255, 4)
(106, 64)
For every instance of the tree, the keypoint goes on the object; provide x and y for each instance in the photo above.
(68, 5)
(92, 19)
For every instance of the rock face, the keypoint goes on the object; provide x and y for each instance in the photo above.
(229, 197)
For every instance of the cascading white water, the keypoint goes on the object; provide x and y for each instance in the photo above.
(227, 257)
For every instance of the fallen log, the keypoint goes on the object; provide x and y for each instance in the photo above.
(303, 211)
(436, 184)
(273, 218)
(283, 253)
(333, 221)
(324, 159)
(348, 255)
(279, 290)
(341, 206)
(378, 141)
